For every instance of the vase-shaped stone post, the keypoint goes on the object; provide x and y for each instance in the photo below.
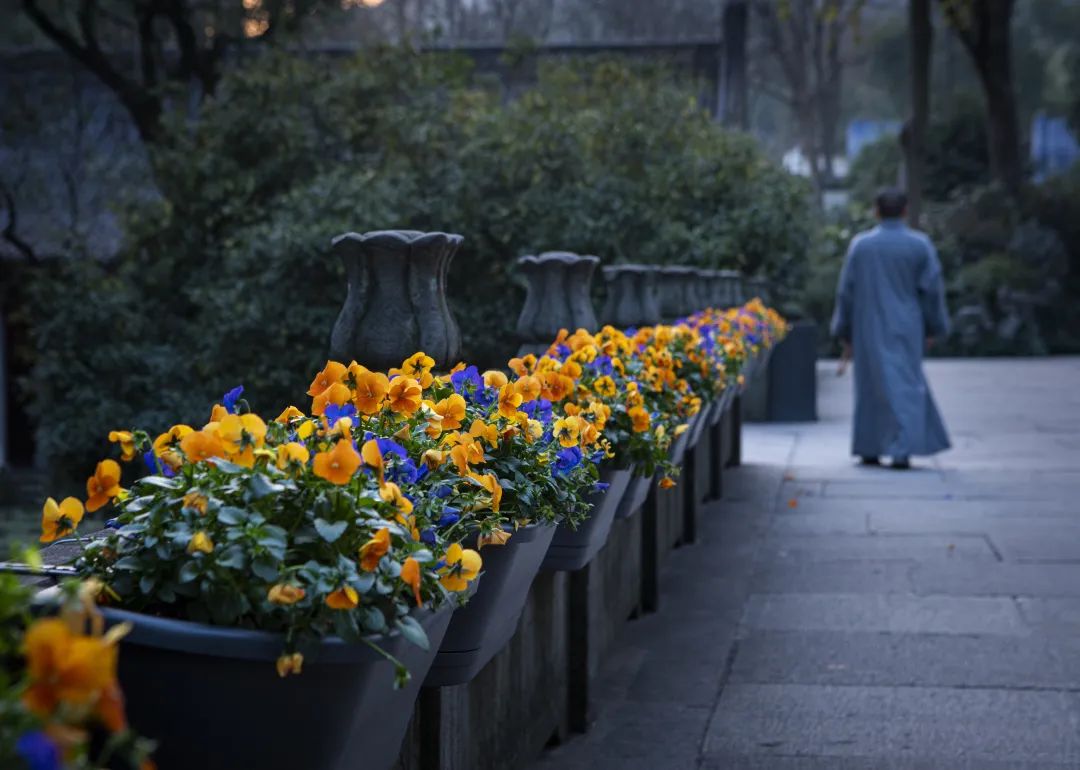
(697, 294)
(396, 302)
(758, 287)
(557, 297)
(672, 290)
(714, 283)
(650, 295)
(631, 299)
(732, 282)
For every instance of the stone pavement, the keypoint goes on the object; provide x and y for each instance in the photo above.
(847, 618)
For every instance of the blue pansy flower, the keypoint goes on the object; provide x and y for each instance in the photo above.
(449, 518)
(403, 472)
(597, 457)
(334, 412)
(470, 375)
(603, 365)
(428, 536)
(150, 460)
(229, 399)
(600, 486)
(38, 751)
(443, 490)
(566, 460)
(485, 396)
(390, 447)
(562, 350)
(538, 409)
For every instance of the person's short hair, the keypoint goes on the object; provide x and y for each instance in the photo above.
(890, 202)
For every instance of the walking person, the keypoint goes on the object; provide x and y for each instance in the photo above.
(890, 303)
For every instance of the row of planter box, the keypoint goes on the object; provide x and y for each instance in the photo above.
(536, 689)
(505, 674)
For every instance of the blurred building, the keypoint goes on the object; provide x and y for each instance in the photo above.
(1054, 148)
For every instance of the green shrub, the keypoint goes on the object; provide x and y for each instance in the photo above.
(227, 279)
(957, 157)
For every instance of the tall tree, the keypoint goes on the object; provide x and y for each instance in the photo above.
(180, 44)
(984, 27)
(921, 35)
(807, 40)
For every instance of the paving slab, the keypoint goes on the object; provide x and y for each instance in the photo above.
(1002, 579)
(885, 612)
(837, 577)
(907, 660)
(914, 547)
(933, 723)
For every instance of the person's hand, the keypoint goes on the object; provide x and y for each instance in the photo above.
(845, 357)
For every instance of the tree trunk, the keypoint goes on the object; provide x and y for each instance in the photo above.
(733, 88)
(985, 33)
(921, 38)
(995, 71)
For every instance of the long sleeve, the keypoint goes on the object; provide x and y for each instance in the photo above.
(932, 295)
(845, 297)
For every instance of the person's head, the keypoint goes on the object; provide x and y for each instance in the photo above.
(890, 203)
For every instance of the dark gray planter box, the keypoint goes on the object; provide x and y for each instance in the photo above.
(211, 698)
(697, 425)
(637, 490)
(572, 549)
(678, 447)
(485, 624)
(792, 376)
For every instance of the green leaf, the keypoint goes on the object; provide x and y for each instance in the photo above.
(128, 563)
(231, 515)
(261, 486)
(330, 531)
(227, 467)
(345, 626)
(191, 570)
(159, 481)
(233, 557)
(413, 631)
(363, 582)
(266, 567)
(372, 620)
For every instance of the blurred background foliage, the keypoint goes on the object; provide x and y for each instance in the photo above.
(226, 277)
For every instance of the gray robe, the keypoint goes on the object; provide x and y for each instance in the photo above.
(890, 299)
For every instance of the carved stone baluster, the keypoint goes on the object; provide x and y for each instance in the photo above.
(396, 301)
(558, 298)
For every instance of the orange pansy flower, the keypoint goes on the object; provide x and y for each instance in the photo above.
(339, 464)
(103, 486)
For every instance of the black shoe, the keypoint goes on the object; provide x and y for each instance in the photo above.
(901, 464)
(870, 461)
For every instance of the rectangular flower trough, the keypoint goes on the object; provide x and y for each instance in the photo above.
(212, 699)
(485, 624)
(571, 549)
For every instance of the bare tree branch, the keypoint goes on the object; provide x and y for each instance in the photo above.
(11, 227)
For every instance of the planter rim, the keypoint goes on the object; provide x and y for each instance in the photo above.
(566, 257)
(397, 237)
(626, 268)
(525, 534)
(247, 644)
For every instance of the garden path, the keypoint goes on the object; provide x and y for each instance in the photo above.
(838, 617)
